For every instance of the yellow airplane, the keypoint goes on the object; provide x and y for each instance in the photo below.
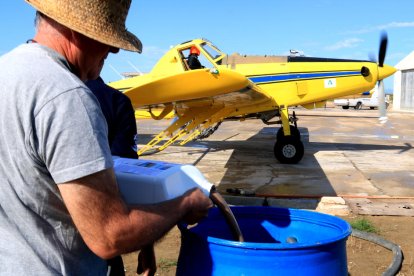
(243, 87)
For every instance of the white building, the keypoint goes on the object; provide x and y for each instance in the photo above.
(404, 84)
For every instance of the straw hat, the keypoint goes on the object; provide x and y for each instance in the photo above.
(101, 20)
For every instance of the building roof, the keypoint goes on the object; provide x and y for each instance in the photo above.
(406, 63)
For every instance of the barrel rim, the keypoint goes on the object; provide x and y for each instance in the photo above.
(330, 221)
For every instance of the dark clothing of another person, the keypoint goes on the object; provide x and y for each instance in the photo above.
(193, 62)
(120, 117)
(122, 128)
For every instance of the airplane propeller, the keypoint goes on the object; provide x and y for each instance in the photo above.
(381, 93)
(382, 49)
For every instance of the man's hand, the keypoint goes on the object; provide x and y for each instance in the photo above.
(199, 203)
(147, 265)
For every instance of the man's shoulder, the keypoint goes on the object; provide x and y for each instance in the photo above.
(33, 76)
(41, 65)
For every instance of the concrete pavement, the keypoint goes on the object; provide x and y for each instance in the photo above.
(351, 162)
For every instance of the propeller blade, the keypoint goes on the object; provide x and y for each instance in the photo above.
(382, 49)
(372, 57)
(381, 103)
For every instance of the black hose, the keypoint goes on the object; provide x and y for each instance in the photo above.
(397, 260)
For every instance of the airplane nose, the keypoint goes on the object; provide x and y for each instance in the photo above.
(385, 71)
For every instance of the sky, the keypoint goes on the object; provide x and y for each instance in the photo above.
(320, 28)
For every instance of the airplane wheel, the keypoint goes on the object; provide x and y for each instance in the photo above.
(289, 150)
(358, 106)
(294, 131)
(345, 107)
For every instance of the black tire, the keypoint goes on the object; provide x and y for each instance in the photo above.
(371, 107)
(345, 107)
(294, 131)
(289, 150)
(358, 105)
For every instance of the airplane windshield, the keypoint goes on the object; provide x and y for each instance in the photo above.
(212, 52)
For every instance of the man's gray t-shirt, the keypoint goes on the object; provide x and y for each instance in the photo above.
(51, 131)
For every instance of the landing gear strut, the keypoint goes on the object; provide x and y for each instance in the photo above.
(288, 148)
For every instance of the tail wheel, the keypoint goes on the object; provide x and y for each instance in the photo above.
(289, 150)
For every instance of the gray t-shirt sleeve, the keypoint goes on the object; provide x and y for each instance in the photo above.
(71, 136)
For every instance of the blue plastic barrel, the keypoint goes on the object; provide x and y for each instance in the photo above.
(278, 241)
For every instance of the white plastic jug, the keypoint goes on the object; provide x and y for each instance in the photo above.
(147, 181)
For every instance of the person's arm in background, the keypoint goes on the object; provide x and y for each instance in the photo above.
(120, 116)
(124, 145)
(125, 129)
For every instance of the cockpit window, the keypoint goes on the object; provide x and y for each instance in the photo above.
(212, 52)
(204, 61)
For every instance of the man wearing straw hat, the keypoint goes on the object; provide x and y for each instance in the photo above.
(60, 209)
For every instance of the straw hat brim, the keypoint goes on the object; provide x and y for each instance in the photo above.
(89, 23)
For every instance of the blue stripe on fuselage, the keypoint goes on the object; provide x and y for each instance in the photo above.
(301, 76)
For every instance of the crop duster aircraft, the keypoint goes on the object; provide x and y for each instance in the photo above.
(244, 87)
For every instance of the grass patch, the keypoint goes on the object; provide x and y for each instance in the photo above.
(166, 264)
(363, 225)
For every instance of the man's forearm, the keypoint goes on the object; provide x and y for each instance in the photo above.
(110, 228)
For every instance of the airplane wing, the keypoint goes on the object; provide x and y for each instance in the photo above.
(200, 99)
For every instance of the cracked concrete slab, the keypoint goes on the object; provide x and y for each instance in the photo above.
(348, 154)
